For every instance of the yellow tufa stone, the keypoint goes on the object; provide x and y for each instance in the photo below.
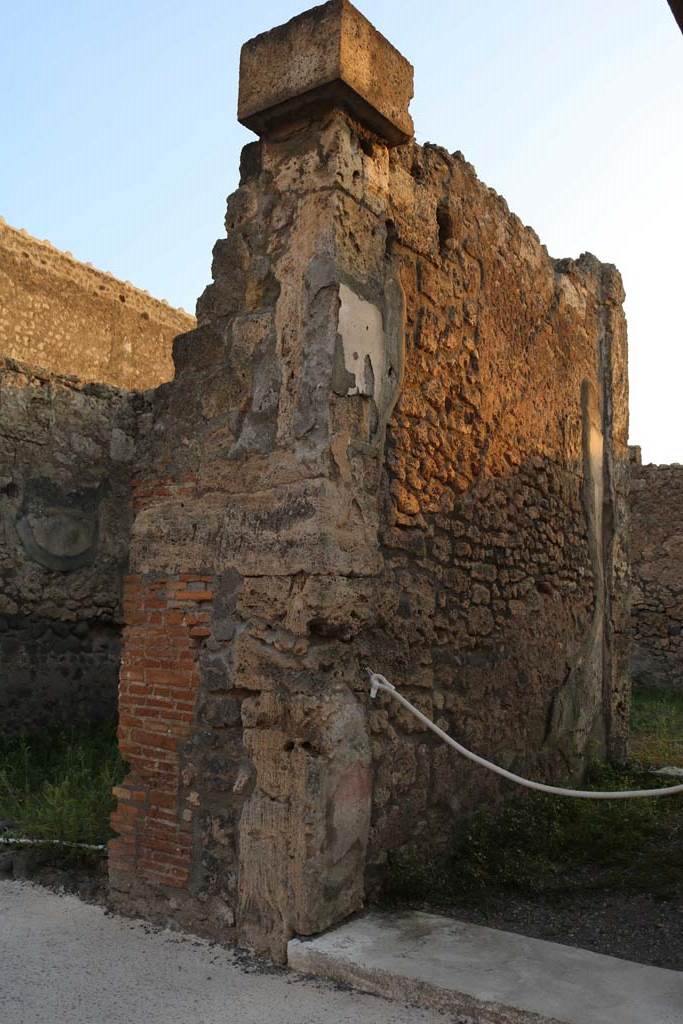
(330, 56)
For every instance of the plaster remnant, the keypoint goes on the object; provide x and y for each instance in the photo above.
(360, 327)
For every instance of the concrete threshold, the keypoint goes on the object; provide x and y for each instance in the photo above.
(485, 976)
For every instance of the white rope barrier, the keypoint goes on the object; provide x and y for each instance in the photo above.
(25, 841)
(378, 682)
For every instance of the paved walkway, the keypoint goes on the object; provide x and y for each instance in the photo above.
(64, 960)
(489, 975)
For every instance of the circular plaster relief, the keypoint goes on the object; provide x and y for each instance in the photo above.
(61, 539)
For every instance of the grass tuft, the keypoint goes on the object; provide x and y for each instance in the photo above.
(57, 784)
(657, 728)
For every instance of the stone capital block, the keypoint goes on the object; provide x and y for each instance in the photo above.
(330, 56)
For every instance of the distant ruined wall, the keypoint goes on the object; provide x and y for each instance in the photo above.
(67, 447)
(66, 451)
(396, 438)
(70, 318)
(657, 575)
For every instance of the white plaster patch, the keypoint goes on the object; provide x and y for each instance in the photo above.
(362, 334)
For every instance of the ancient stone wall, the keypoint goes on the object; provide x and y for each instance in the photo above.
(502, 525)
(66, 457)
(656, 543)
(397, 437)
(66, 453)
(70, 318)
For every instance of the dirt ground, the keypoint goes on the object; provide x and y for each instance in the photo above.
(637, 926)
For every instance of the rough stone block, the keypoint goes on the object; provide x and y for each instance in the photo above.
(330, 56)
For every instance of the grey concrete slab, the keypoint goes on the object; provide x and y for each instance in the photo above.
(490, 976)
(62, 960)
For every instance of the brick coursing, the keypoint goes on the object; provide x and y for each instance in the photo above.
(159, 681)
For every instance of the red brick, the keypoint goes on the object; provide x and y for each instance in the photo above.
(126, 812)
(165, 675)
(159, 681)
(159, 798)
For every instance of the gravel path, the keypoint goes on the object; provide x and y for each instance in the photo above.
(65, 960)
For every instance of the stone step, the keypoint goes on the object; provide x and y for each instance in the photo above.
(485, 976)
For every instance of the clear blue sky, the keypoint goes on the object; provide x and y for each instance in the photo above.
(120, 142)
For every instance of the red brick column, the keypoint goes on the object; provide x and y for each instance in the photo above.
(166, 621)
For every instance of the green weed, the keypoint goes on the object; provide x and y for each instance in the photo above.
(657, 727)
(57, 785)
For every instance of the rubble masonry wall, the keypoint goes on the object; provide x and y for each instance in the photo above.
(656, 543)
(66, 451)
(71, 318)
(67, 442)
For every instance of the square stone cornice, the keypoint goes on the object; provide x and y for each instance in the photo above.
(329, 56)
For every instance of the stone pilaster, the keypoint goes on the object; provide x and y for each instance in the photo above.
(263, 477)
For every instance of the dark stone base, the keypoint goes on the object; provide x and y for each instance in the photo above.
(54, 673)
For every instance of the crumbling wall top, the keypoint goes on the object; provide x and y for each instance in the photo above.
(71, 318)
(64, 264)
